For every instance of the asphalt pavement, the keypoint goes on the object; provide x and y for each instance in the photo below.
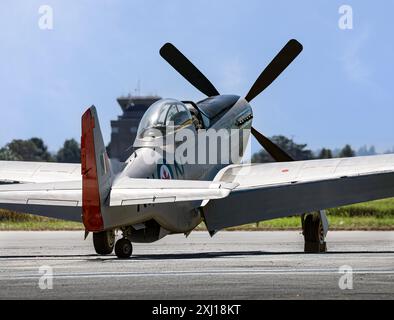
(231, 265)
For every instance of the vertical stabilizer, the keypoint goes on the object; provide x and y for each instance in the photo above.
(96, 172)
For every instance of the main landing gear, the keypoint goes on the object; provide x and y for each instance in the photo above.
(104, 243)
(315, 227)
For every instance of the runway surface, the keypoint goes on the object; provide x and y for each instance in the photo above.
(231, 265)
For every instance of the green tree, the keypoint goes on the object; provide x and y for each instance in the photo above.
(33, 149)
(7, 154)
(42, 152)
(261, 157)
(365, 151)
(295, 150)
(70, 153)
(325, 154)
(347, 152)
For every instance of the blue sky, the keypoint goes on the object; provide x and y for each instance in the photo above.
(339, 90)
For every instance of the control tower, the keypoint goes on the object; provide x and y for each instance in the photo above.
(124, 129)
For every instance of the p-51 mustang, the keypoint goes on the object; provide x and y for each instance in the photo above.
(147, 200)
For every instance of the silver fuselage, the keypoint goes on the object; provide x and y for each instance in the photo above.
(178, 217)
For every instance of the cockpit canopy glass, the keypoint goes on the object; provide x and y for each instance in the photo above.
(166, 114)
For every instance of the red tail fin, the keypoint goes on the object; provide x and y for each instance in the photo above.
(91, 202)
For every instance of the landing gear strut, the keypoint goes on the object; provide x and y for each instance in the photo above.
(104, 242)
(315, 227)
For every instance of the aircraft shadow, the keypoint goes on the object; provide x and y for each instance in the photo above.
(185, 256)
(48, 256)
(221, 254)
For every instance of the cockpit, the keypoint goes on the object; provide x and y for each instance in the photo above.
(163, 116)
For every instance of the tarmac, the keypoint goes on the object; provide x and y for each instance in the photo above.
(231, 265)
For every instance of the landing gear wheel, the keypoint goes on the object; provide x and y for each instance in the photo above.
(104, 242)
(314, 234)
(123, 248)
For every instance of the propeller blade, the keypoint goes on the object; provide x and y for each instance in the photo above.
(274, 151)
(187, 69)
(288, 53)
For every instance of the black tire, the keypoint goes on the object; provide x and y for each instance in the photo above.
(104, 242)
(123, 248)
(312, 228)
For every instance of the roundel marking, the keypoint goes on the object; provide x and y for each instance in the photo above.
(165, 172)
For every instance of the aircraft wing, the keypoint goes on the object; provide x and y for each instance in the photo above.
(60, 200)
(38, 172)
(128, 191)
(63, 199)
(273, 190)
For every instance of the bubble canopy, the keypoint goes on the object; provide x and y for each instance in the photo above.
(161, 115)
